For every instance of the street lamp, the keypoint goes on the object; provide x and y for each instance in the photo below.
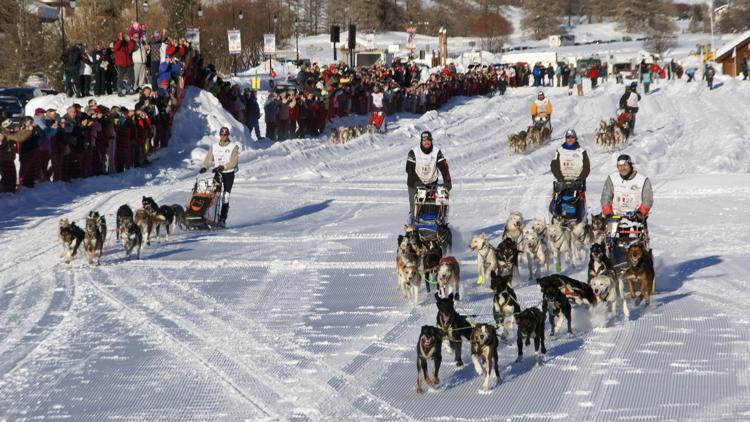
(72, 4)
(145, 10)
(296, 35)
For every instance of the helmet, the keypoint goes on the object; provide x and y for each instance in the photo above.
(571, 133)
(540, 94)
(426, 135)
(625, 159)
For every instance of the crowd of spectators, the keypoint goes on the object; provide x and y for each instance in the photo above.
(92, 139)
(128, 63)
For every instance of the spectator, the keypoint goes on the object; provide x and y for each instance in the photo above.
(252, 112)
(123, 49)
(8, 150)
(72, 61)
(139, 56)
(271, 110)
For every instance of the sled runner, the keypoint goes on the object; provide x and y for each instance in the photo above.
(202, 210)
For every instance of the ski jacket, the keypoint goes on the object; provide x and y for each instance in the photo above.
(621, 195)
(570, 164)
(541, 106)
(224, 155)
(123, 50)
(629, 101)
(421, 168)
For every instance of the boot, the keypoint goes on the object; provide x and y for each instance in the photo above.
(223, 215)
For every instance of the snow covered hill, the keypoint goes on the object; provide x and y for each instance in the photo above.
(291, 313)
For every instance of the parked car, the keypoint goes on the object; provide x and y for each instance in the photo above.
(10, 107)
(24, 94)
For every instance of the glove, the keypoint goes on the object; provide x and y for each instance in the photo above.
(202, 170)
(639, 217)
(607, 210)
(218, 169)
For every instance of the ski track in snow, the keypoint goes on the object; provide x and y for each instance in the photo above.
(291, 313)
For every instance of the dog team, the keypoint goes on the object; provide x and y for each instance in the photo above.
(542, 243)
(132, 229)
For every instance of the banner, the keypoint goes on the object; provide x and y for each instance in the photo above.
(370, 38)
(269, 43)
(411, 40)
(193, 36)
(235, 41)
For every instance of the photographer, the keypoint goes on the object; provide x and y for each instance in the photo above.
(8, 150)
(123, 49)
(27, 137)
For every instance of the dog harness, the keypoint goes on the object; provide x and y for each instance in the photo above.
(429, 353)
(447, 328)
(627, 193)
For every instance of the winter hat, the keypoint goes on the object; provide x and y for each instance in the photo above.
(426, 135)
(625, 159)
(571, 133)
(39, 110)
(6, 123)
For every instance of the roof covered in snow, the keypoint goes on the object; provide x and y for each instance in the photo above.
(736, 42)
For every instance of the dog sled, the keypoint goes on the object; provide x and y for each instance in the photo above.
(202, 210)
(431, 215)
(568, 201)
(377, 123)
(613, 134)
(623, 232)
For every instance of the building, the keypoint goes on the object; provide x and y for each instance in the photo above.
(731, 55)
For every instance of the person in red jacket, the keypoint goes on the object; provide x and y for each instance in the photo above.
(123, 49)
(594, 76)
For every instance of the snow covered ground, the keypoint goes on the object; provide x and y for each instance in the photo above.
(291, 313)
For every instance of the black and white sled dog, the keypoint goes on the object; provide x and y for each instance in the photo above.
(131, 237)
(505, 307)
(161, 216)
(407, 269)
(484, 352)
(577, 292)
(452, 325)
(123, 213)
(95, 236)
(530, 325)
(598, 228)
(507, 259)
(429, 347)
(556, 305)
(178, 211)
(70, 236)
(599, 263)
(486, 257)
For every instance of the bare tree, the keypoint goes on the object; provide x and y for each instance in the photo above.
(542, 19)
(493, 30)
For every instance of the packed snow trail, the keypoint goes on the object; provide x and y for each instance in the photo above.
(292, 312)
